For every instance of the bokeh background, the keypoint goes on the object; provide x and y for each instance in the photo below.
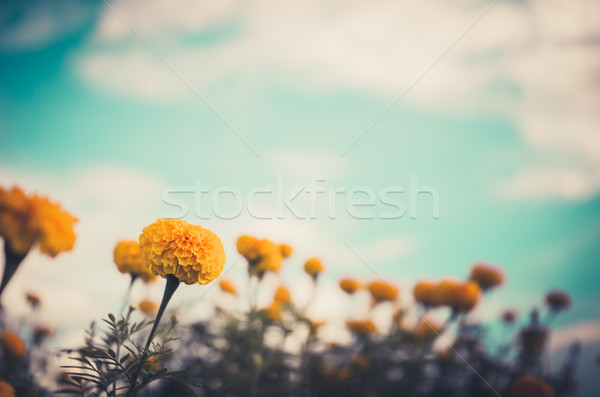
(105, 106)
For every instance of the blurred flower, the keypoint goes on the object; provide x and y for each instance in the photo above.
(282, 296)
(13, 345)
(426, 330)
(286, 250)
(246, 246)
(533, 339)
(459, 297)
(262, 255)
(191, 253)
(273, 311)
(381, 291)
(361, 327)
(26, 220)
(487, 276)
(151, 363)
(528, 386)
(41, 332)
(424, 293)
(558, 301)
(33, 300)
(398, 316)
(509, 316)
(226, 286)
(313, 267)
(446, 354)
(6, 390)
(359, 361)
(148, 307)
(314, 326)
(127, 258)
(349, 285)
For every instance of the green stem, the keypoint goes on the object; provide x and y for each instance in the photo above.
(11, 263)
(128, 293)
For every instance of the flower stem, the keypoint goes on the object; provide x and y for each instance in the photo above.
(11, 263)
(128, 293)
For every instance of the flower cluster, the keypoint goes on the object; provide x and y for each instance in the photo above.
(127, 258)
(262, 255)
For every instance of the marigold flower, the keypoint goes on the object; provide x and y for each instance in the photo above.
(273, 311)
(349, 285)
(426, 330)
(528, 386)
(424, 293)
(509, 316)
(558, 301)
(286, 250)
(226, 286)
(459, 297)
(262, 255)
(6, 390)
(313, 267)
(282, 296)
(13, 345)
(487, 276)
(361, 327)
(33, 300)
(127, 258)
(26, 220)
(191, 253)
(381, 291)
(148, 307)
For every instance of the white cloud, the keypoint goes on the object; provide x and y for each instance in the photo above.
(307, 164)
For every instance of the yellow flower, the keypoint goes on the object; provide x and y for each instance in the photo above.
(273, 311)
(191, 253)
(528, 386)
(226, 286)
(558, 300)
(487, 276)
(349, 285)
(381, 291)
(148, 307)
(282, 296)
(364, 327)
(286, 250)
(262, 255)
(6, 390)
(127, 258)
(460, 297)
(313, 267)
(26, 220)
(13, 345)
(424, 293)
(246, 246)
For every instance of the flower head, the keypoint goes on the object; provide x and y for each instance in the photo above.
(13, 345)
(286, 250)
(127, 258)
(426, 330)
(528, 386)
(27, 220)
(273, 312)
(148, 307)
(458, 296)
(191, 253)
(226, 286)
(424, 293)
(6, 390)
(558, 301)
(349, 285)
(262, 255)
(282, 296)
(381, 291)
(487, 276)
(313, 267)
(361, 327)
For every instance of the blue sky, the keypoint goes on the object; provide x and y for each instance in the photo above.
(504, 126)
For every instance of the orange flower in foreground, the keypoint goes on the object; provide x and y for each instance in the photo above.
(459, 297)
(382, 292)
(424, 293)
(364, 327)
(487, 276)
(148, 307)
(26, 220)
(558, 301)
(13, 345)
(127, 258)
(226, 286)
(528, 386)
(282, 296)
(349, 285)
(313, 267)
(191, 253)
(6, 390)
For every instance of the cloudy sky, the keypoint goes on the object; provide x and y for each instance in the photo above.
(117, 108)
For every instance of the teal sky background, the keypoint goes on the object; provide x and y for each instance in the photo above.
(60, 117)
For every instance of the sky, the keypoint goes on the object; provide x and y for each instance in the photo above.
(116, 109)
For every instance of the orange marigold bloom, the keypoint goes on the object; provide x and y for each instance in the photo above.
(349, 285)
(33, 299)
(127, 258)
(528, 386)
(313, 267)
(459, 297)
(286, 250)
(191, 253)
(282, 296)
(487, 276)
(6, 390)
(262, 255)
(426, 330)
(424, 293)
(381, 291)
(26, 220)
(273, 311)
(148, 307)
(13, 345)
(361, 327)
(558, 301)
(226, 286)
